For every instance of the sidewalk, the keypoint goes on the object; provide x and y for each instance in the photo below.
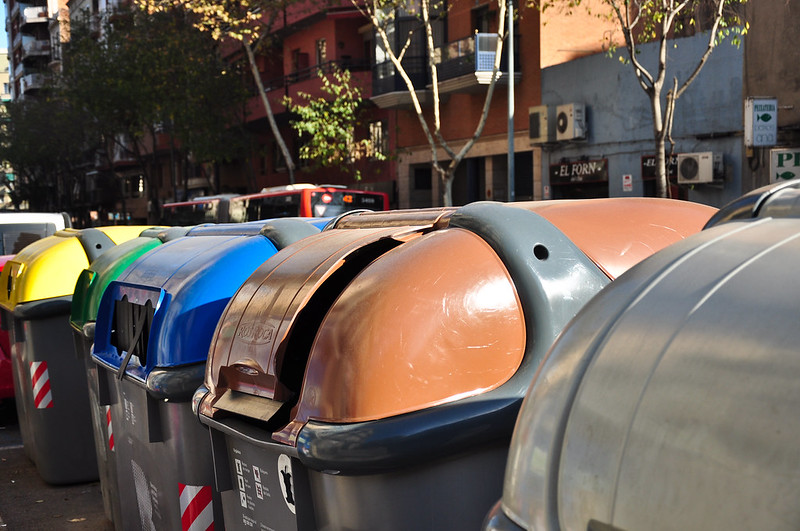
(28, 503)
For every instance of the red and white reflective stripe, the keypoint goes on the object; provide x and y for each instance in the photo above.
(42, 398)
(109, 429)
(197, 511)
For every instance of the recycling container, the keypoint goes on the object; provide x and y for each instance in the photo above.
(89, 288)
(154, 326)
(670, 402)
(17, 230)
(49, 382)
(368, 377)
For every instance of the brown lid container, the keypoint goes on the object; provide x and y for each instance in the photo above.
(399, 312)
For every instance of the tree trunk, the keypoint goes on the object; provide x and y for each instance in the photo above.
(268, 108)
(662, 184)
(446, 178)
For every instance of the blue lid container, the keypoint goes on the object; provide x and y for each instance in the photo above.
(161, 313)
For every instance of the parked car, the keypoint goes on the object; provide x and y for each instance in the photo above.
(17, 230)
(670, 401)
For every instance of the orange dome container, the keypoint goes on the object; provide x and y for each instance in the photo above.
(363, 374)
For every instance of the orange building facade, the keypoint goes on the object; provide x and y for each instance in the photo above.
(313, 38)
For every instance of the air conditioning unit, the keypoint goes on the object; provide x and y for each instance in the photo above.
(571, 122)
(539, 125)
(485, 50)
(695, 168)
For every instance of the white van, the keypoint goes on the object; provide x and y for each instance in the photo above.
(19, 229)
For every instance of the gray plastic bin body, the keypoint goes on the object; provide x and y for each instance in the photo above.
(57, 436)
(152, 336)
(89, 288)
(52, 399)
(670, 402)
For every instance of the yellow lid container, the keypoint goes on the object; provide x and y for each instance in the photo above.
(50, 267)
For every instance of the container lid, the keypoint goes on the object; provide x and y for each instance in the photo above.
(456, 308)
(49, 267)
(761, 202)
(92, 282)
(163, 309)
(682, 370)
(617, 233)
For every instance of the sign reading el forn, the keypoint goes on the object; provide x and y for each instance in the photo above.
(760, 122)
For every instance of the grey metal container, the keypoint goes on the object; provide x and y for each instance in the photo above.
(670, 402)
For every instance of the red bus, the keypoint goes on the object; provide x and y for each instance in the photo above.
(298, 200)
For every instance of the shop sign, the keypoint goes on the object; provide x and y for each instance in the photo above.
(579, 171)
(760, 122)
(784, 164)
(649, 167)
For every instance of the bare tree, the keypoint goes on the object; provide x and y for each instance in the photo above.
(643, 21)
(383, 15)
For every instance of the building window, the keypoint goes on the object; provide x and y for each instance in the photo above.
(134, 186)
(481, 18)
(322, 52)
(423, 179)
(378, 139)
(278, 160)
(299, 60)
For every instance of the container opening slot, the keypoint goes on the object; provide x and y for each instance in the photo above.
(131, 331)
(309, 319)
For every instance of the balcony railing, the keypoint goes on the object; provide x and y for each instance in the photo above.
(31, 82)
(353, 65)
(385, 78)
(34, 47)
(458, 58)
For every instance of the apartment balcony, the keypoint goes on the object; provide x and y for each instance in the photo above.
(305, 80)
(122, 153)
(33, 47)
(389, 90)
(32, 82)
(305, 74)
(33, 15)
(16, 42)
(114, 5)
(466, 65)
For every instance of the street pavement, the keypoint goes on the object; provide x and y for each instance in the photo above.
(28, 503)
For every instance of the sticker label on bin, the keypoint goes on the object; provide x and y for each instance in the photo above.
(40, 380)
(197, 510)
(109, 429)
(263, 482)
(287, 485)
(146, 498)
